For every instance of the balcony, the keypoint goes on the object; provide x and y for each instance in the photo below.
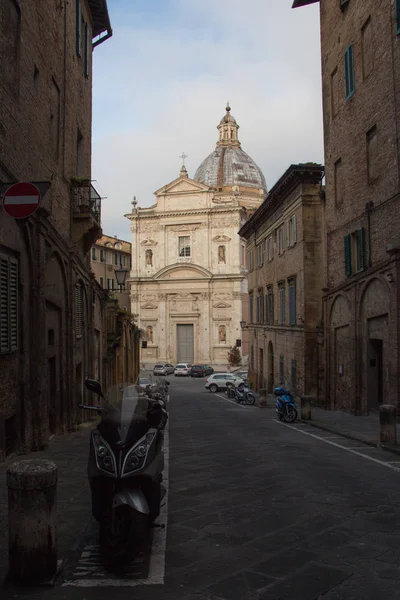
(86, 206)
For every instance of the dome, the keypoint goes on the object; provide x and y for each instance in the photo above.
(229, 165)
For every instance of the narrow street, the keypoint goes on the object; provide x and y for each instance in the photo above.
(256, 509)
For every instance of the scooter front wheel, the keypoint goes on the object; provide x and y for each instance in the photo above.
(250, 399)
(290, 415)
(122, 536)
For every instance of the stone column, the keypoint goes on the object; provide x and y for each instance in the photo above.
(388, 424)
(305, 405)
(32, 514)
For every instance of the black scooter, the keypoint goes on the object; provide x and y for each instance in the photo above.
(125, 466)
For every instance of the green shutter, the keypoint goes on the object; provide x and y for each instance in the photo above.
(362, 257)
(347, 254)
(78, 28)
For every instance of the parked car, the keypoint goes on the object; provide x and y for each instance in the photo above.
(218, 381)
(183, 370)
(201, 370)
(144, 382)
(242, 374)
(163, 369)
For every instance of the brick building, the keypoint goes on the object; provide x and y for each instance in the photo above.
(108, 254)
(51, 307)
(285, 263)
(360, 45)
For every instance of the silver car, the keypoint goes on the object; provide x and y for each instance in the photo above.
(163, 369)
(218, 381)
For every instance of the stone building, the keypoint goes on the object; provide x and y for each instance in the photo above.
(360, 45)
(108, 255)
(51, 307)
(285, 246)
(188, 275)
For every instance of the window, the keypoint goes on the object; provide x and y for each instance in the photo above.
(79, 310)
(398, 16)
(281, 239)
(251, 312)
(354, 252)
(294, 374)
(10, 27)
(79, 155)
(102, 281)
(250, 260)
(270, 305)
(101, 255)
(8, 304)
(260, 307)
(116, 262)
(36, 77)
(54, 119)
(292, 231)
(184, 245)
(281, 369)
(87, 50)
(372, 154)
(334, 92)
(93, 253)
(349, 71)
(338, 183)
(367, 49)
(110, 284)
(282, 303)
(78, 28)
(260, 255)
(270, 248)
(292, 302)
(252, 357)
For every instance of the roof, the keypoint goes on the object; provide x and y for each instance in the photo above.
(298, 3)
(100, 17)
(293, 176)
(110, 241)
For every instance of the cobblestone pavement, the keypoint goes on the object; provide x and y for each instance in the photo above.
(260, 510)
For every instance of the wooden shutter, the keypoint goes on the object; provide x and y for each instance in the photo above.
(78, 28)
(78, 310)
(13, 299)
(87, 50)
(347, 254)
(349, 70)
(4, 304)
(361, 248)
(294, 230)
(398, 16)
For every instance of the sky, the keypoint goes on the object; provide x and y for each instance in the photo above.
(162, 81)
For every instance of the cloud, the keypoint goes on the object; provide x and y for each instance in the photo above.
(161, 85)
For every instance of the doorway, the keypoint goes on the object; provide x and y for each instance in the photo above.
(270, 368)
(375, 373)
(185, 343)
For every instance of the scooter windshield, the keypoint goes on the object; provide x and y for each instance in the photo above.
(125, 413)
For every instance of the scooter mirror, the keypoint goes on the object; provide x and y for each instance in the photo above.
(94, 386)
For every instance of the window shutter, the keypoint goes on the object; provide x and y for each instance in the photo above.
(349, 70)
(294, 229)
(287, 230)
(266, 249)
(78, 28)
(87, 49)
(362, 256)
(4, 304)
(13, 299)
(78, 310)
(398, 16)
(347, 254)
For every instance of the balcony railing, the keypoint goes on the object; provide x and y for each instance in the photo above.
(86, 199)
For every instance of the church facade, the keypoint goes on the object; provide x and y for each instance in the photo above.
(188, 278)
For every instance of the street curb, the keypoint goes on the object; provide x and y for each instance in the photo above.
(351, 436)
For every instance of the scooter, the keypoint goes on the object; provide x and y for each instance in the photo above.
(241, 394)
(285, 405)
(125, 466)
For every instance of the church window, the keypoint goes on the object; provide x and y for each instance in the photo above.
(184, 245)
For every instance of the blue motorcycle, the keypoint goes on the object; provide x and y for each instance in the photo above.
(285, 405)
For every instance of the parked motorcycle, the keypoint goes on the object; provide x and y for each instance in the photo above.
(125, 466)
(285, 405)
(241, 394)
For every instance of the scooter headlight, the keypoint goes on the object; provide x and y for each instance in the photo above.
(104, 456)
(136, 457)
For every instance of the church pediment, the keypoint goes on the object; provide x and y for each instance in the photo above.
(222, 305)
(185, 227)
(182, 185)
(149, 306)
(148, 242)
(222, 238)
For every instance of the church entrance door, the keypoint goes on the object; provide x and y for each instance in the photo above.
(185, 341)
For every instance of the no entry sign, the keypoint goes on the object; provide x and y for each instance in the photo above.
(21, 200)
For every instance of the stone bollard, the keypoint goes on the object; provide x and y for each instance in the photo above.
(305, 406)
(32, 514)
(263, 398)
(388, 424)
